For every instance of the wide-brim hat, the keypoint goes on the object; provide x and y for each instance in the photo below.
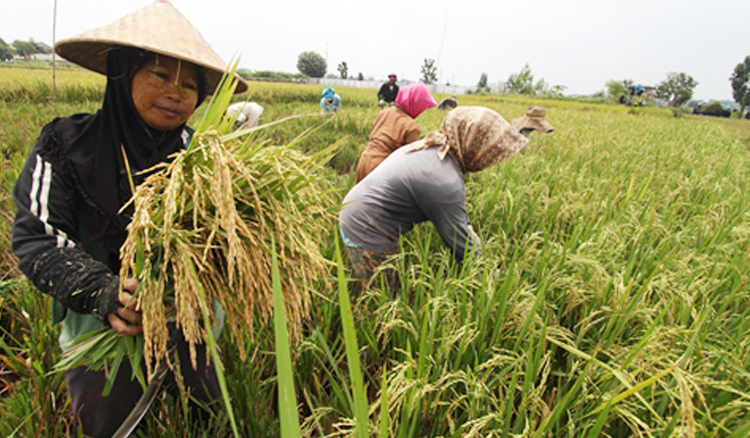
(159, 28)
(534, 119)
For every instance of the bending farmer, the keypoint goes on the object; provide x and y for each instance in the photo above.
(330, 102)
(394, 127)
(423, 182)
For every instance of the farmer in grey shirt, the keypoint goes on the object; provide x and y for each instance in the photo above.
(423, 181)
(411, 187)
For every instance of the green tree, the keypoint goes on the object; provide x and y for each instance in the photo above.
(740, 89)
(521, 82)
(360, 77)
(713, 108)
(556, 91)
(312, 64)
(40, 46)
(541, 87)
(343, 70)
(25, 48)
(30, 47)
(428, 71)
(482, 81)
(676, 89)
(6, 51)
(617, 89)
(482, 87)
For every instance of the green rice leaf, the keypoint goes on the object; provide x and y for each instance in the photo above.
(288, 416)
(352, 351)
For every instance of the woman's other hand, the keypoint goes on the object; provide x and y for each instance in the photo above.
(127, 319)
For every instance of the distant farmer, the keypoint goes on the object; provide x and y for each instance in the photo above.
(448, 103)
(72, 198)
(330, 102)
(534, 119)
(388, 91)
(395, 127)
(249, 114)
(423, 182)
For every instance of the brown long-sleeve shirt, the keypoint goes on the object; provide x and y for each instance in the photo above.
(392, 129)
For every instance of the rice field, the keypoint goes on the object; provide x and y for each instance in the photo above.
(611, 299)
(37, 85)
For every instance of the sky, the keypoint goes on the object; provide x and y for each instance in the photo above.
(580, 44)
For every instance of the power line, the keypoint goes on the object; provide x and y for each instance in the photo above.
(442, 40)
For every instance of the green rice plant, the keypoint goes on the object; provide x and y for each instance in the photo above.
(610, 300)
(620, 251)
(38, 86)
(352, 353)
(34, 400)
(287, 397)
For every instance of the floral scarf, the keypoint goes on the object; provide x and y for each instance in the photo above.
(476, 137)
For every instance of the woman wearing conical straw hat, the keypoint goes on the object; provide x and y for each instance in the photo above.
(69, 225)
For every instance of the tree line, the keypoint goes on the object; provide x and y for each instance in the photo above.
(676, 90)
(24, 49)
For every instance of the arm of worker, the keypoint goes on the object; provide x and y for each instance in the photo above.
(45, 239)
(444, 204)
(453, 226)
(336, 103)
(383, 90)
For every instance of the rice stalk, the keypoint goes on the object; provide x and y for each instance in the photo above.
(217, 208)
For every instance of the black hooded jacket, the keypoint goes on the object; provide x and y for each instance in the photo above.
(68, 227)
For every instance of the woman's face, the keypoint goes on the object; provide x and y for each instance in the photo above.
(165, 92)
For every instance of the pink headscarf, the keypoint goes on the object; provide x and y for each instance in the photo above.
(414, 99)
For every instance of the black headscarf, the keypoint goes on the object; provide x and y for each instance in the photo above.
(90, 150)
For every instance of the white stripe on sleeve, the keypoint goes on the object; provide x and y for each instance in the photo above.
(35, 177)
(40, 187)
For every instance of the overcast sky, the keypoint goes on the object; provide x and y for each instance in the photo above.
(580, 44)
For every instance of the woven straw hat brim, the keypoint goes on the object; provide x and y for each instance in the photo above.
(534, 119)
(540, 125)
(159, 28)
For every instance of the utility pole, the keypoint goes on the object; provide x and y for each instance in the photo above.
(54, 59)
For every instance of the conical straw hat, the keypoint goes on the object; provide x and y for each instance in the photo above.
(158, 27)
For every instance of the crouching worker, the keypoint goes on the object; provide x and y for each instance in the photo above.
(249, 114)
(69, 225)
(421, 182)
(330, 102)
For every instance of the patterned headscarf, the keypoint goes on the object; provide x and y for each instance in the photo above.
(476, 137)
(414, 99)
